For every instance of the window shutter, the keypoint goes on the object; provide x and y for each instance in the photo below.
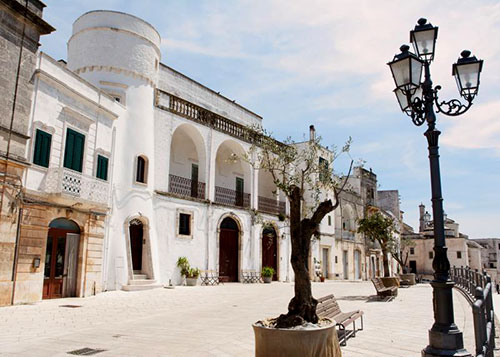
(73, 154)
(41, 153)
(102, 167)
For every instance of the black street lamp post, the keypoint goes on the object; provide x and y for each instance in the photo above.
(417, 100)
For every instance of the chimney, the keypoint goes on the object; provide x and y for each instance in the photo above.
(421, 208)
(312, 133)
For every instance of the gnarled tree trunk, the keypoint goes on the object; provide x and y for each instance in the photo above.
(302, 307)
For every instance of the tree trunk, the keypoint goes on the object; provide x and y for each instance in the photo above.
(302, 307)
(386, 264)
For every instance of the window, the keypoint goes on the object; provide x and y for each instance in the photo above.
(194, 180)
(184, 224)
(498, 245)
(102, 167)
(141, 173)
(459, 255)
(323, 169)
(41, 154)
(336, 260)
(329, 220)
(239, 191)
(73, 154)
(412, 251)
(431, 255)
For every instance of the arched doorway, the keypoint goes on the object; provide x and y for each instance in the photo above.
(228, 250)
(136, 233)
(61, 259)
(270, 250)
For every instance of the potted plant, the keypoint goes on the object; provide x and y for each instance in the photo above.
(191, 274)
(312, 191)
(267, 274)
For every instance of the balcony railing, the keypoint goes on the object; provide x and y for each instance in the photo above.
(270, 205)
(231, 197)
(186, 187)
(73, 183)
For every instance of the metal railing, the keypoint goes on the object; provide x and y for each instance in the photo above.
(61, 180)
(186, 187)
(231, 197)
(270, 205)
(478, 289)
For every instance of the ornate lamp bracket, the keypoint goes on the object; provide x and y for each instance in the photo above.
(416, 111)
(453, 107)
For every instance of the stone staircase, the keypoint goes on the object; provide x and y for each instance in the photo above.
(141, 282)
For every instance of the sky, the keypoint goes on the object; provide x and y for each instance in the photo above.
(303, 62)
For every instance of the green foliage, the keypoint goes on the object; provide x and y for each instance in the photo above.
(183, 265)
(297, 164)
(193, 273)
(379, 229)
(267, 272)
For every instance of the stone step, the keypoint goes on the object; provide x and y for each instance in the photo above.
(142, 282)
(140, 276)
(141, 287)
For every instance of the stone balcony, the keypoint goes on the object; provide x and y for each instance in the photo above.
(76, 185)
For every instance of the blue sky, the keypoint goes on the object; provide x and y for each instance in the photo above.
(306, 62)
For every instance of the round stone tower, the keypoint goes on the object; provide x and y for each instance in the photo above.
(120, 54)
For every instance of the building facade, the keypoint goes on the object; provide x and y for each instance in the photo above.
(21, 26)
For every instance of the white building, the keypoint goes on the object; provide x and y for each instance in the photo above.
(178, 187)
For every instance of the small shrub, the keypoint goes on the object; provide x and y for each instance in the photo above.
(267, 271)
(183, 265)
(193, 273)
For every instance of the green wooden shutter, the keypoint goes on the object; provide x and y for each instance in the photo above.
(102, 167)
(239, 191)
(41, 153)
(73, 154)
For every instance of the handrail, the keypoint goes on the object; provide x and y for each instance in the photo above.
(478, 289)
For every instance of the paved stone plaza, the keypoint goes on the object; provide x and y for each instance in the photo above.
(213, 321)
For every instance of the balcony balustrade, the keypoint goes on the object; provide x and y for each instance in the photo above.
(270, 205)
(186, 187)
(64, 181)
(231, 197)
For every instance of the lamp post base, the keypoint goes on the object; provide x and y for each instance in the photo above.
(445, 343)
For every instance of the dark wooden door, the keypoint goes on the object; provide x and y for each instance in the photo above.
(228, 255)
(270, 253)
(239, 191)
(136, 241)
(54, 264)
(413, 266)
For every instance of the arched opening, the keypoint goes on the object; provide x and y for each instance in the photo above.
(187, 162)
(229, 250)
(270, 249)
(232, 175)
(141, 174)
(136, 234)
(61, 259)
(270, 200)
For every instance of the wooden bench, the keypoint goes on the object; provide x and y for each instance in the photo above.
(383, 290)
(209, 277)
(329, 308)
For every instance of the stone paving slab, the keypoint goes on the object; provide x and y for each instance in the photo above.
(213, 321)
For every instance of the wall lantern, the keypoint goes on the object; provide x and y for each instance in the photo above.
(36, 262)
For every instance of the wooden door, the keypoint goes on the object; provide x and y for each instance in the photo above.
(413, 266)
(136, 242)
(70, 264)
(228, 255)
(194, 180)
(239, 191)
(54, 264)
(270, 253)
(346, 265)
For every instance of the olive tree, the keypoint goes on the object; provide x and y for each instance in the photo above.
(380, 229)
(313, 191)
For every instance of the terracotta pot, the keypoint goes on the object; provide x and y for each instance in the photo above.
(408, 278)
(267, 279)
(191, 281)
(322, 279)
(304, 343)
